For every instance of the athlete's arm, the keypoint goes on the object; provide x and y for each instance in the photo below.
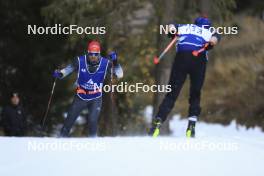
(69, 69)
(214, 40)
(117, 69)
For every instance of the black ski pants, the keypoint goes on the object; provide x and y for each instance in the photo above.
(94, 108)
(185, 64)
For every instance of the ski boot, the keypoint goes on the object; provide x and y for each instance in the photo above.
(155, 129)
(190, 132)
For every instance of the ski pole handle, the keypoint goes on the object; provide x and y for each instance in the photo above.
(197, 52)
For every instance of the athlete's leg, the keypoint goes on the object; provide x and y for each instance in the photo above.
(94, 107)
(178, 75)
(76, 107)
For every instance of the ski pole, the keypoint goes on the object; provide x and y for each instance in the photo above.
(48, 107)
(112, 95)
(197, 52)
(111, 83)
(157, 59)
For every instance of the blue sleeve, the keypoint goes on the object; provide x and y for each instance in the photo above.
(70, 68)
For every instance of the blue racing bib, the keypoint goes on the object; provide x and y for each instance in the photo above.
(90, 85)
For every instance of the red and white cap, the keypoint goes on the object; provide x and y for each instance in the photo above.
(94, 47)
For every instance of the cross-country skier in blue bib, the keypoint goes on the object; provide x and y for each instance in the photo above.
(92, 69)
(191, 37)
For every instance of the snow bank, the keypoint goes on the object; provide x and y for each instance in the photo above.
(216, 151)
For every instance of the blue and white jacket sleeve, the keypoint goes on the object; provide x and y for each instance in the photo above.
(117, 71)
(69, 68)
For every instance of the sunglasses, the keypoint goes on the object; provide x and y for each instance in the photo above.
(93, 54)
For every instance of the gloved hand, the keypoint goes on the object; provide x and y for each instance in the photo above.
(213, 40)
(113, 56)
(57, 74)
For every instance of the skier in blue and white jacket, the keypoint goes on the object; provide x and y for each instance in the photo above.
(191, 37)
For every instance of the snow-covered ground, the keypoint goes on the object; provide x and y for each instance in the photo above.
(216, 151)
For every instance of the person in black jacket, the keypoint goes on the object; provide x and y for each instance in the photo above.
(14, 117)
